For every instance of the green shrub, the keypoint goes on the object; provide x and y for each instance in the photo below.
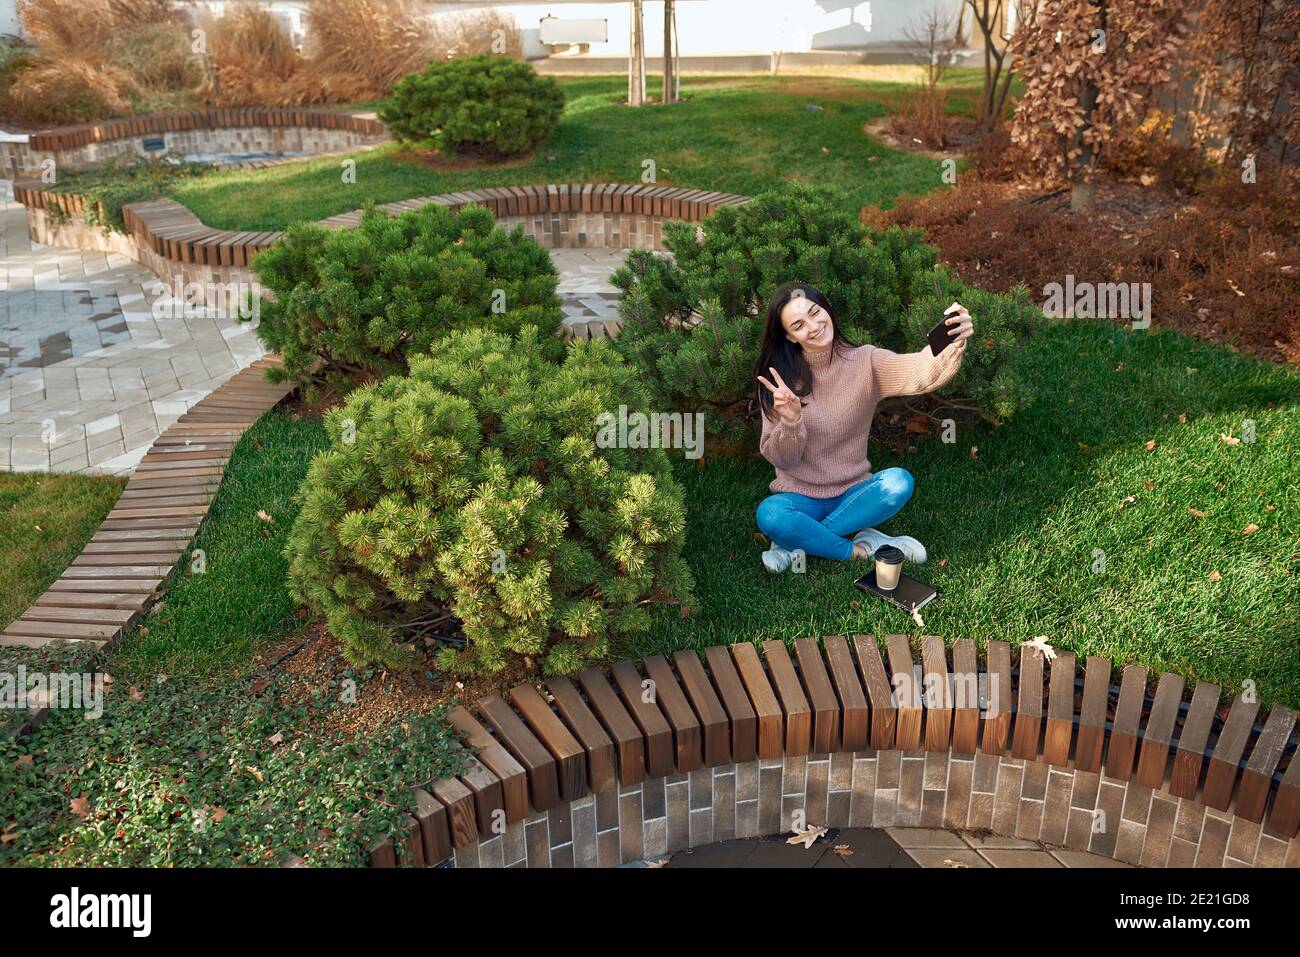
(479, 105)
(352, 304)
(693, 323)
(476, 486)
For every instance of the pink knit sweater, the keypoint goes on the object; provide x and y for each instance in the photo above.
(825, 453)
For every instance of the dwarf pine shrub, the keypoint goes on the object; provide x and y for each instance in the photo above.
(350, 305)
(475, 486)
(480, 105)
(693, 322)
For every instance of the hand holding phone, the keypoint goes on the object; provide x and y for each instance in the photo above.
(941, 336)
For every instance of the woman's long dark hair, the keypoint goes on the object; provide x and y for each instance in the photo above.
(786, 356)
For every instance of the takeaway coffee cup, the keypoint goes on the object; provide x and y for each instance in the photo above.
(889, 565)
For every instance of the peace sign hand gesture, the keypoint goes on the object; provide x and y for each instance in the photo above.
(784, 401)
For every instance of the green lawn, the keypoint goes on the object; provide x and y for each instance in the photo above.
(1018, 523)
(45, 521)
(212, 622)
(733, 134)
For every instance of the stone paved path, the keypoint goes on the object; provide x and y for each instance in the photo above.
(893, 847)
(97, 356)
(583, 287)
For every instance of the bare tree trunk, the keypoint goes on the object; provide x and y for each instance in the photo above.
(636, 59)
(1083, 191)
(670, 65)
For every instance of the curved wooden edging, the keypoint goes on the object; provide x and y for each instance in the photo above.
(171, 232)
(137, 547)
(652, 757)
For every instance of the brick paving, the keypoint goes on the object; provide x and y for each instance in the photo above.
(97, 358)
(583, 287)
(892, 847)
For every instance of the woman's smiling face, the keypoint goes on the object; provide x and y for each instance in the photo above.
(807, 323)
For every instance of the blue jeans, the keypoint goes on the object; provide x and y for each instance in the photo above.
(823, 526)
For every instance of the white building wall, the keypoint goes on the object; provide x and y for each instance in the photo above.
(9, 22)
(733, 26)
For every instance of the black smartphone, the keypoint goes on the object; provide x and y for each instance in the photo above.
(940, 336)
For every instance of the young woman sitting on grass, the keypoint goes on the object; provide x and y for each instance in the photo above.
(817, 407)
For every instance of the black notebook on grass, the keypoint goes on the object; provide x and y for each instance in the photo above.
(909, 594)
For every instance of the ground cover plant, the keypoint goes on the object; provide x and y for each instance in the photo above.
(245, 771)
(107, 188)
(218, 743)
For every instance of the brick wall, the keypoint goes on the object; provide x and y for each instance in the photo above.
(1027, 799)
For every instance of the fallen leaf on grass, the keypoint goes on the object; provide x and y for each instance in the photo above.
(277, 738)
(1148, 484)
(807, 836)
(219, 814)
(943, 563)
(1215, 576)
(1151, 445)
(1127, 501)
(1196, 512)
(1250, 529)
(1270, 508)
(916, 617)
(974, 451)
(254, 772)
(1182, 417)
(80, 806)
(264, 517)
(25, 760)
(1040, 642)
(688, 610)
(1230, 439)
(135, 694)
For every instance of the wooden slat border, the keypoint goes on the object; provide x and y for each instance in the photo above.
(737, 706)
(115, 579)
(173, 232)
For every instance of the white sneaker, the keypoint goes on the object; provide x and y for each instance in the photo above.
(874, 538)
(776, 559)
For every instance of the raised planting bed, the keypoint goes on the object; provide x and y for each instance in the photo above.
(655, 756)
(170, 240)
(246, 130)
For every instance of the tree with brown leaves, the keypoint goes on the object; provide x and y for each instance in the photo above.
(1090, 67)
